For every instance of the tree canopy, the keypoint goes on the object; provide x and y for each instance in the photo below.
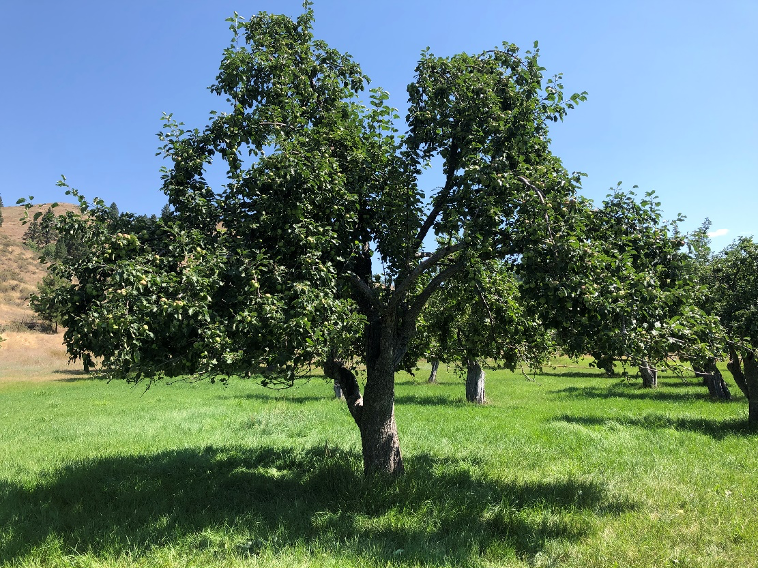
(273, 272)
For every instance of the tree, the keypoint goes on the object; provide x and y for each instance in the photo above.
(478, 317)
(273, 272)
(735, 300)
(165, 211)
(619, 287)
(43, 302)
(41, 231)
(1, 210)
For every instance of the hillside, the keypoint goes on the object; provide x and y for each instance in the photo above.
(25, 354)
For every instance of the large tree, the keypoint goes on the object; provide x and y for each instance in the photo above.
(274, 270)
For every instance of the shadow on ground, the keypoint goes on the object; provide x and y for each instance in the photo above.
(671, 392)
(717, 429)
(273, 498)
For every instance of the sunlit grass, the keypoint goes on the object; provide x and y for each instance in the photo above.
(576, 470)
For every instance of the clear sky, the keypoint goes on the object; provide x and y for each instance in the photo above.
(673, 87)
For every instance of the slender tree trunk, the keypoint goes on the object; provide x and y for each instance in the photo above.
(649, 375)
(435, 367)
(715, 382)
(474, 382)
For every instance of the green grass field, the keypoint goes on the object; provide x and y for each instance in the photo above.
(572, 470)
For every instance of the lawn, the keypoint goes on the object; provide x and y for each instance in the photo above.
(568, 469)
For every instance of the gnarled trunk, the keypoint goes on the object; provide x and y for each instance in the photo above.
(649, 375)
(745, 374)
(750, 366)
(337, 390)
(735, 368)
(715, 382)
(435, 367)
(381, 445)
(374, 415)
(474, 382)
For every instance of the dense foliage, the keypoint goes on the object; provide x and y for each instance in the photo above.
(619, 286)
(734, 280)
(273, 271)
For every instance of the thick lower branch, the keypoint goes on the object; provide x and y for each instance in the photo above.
(348, 382)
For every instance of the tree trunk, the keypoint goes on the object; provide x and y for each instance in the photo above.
(745, 374)
(735, 368)
(750, 366)
(374, 414)
(474, 382)
(435, 367)
(337, 390)
(379, 439)
(649, 375)
(715, 382)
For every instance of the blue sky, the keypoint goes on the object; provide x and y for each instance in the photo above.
(672, 88)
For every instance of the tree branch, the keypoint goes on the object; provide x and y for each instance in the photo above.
(441, 197)
(411, 315)
(428, 262)
(539, 193)
(364, 289)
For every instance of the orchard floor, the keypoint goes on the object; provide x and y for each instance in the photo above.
(570, 469)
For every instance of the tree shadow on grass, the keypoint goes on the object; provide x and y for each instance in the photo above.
(631, 391)
(272, 498)
(716, 429)
(426, 399)
(278, 397)
(76, 376)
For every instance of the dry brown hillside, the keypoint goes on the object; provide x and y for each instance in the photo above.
(24, 354)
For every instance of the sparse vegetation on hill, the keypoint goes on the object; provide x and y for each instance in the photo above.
(20, 272)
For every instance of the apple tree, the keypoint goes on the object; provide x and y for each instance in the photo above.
(273, 271)
(478, 319)
(619, 288)
(734, 280)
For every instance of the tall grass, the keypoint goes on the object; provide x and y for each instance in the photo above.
(573, 470)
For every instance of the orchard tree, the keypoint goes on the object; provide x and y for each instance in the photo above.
(272, 272)
(735, 300)
(618, 287)
(477, 319)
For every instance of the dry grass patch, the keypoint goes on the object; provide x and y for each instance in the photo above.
(26, 356)
(12, 216)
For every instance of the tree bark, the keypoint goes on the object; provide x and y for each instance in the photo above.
(649, 375)
(347, 382)
(735, 368)
(337, 390)
(435, 367)
(750, 366)
(474, 382)
(379, 439)
(715, 382)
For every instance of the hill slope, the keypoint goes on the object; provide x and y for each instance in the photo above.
(25, 354)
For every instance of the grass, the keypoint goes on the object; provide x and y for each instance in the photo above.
(572, 470)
